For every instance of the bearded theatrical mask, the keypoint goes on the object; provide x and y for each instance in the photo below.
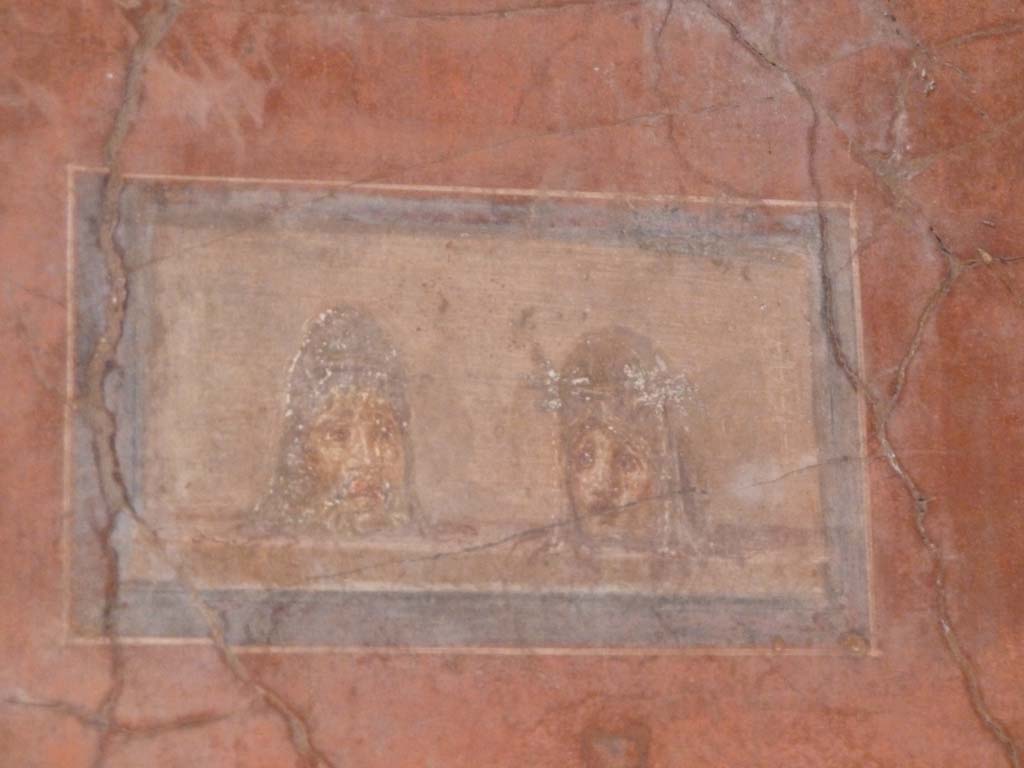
(344, 460)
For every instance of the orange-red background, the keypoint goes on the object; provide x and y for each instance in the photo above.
(920, 110)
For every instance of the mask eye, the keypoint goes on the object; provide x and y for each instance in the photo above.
(628, 462)
(385, 442)
(584, 456)
(385, 429)
(339, 434)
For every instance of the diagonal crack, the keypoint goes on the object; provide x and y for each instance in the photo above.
(517, 537)
(807, 467)
(514, 10)
(102, 422)
(127, 729)
(882, 407)
(657, 49)
(103, 361)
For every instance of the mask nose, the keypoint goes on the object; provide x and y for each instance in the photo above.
(611, 473)
(361, 448)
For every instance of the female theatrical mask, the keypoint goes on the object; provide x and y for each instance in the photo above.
(626, 481)
(345, 460)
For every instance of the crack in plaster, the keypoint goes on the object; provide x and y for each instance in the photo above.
(659, 63)
(985, 33)
(883, 407)
(382, 13)
(506, 12)
(125, 729)
(516, 537)
(102, 422)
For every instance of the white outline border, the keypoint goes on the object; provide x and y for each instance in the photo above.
(72, 170)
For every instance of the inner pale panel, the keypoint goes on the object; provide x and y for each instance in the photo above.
(481, 326)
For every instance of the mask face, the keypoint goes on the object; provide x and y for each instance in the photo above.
(610, 476)
(621, 464)
(355, 453)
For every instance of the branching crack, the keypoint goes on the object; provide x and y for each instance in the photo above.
(102, 422)
(881, 407)
(521, 10)
(659, 33)
(808, 467)
(102, 419)
(515, 538)
(125, 729)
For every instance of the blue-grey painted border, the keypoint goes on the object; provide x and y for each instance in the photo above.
(425, 619)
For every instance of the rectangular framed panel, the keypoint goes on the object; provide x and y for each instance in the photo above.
(406, 417)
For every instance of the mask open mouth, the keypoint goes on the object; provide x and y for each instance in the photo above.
(361, 486)
(606, 512)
